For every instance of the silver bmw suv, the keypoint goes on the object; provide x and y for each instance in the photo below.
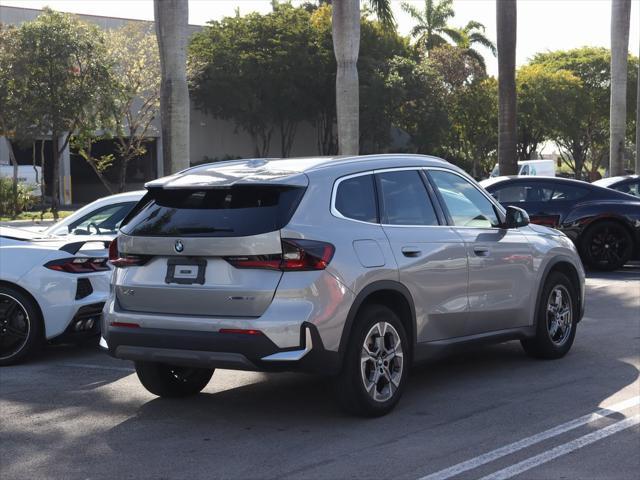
(354, 267)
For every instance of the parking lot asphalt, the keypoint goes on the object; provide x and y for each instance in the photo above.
(489, 412)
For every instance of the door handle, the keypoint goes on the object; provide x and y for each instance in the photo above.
(481, 251)
(411, 251)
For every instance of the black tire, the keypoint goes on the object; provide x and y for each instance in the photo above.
(172, 381)
(607, 246)
(548, 343)
(350, 383)
(21, 327)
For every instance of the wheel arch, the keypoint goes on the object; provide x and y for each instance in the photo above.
(5, 283)
(388, 293)
(567, 268)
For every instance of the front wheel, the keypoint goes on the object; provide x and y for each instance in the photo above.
(172, 380)
(557, 319)
(375, 366)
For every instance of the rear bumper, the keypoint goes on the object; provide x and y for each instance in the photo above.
(235, 351)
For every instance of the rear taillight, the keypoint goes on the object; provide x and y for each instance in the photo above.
(78, 265)
(124, 260)
(297, 255)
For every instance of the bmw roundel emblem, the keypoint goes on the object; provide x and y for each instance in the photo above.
(179, 246)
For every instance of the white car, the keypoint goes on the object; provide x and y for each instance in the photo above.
(51, 288)
(102, 217)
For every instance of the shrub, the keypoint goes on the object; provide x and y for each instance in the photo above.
(24, 200)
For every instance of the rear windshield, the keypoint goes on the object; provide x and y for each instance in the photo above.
(236, 211)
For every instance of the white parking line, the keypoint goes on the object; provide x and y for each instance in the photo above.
(528, 441)
(563, 449)
(97, 367)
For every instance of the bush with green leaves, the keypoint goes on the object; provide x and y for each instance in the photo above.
(24, 200)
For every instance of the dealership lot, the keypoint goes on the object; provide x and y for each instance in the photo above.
(487, 412)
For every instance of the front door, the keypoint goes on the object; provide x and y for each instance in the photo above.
(501, 276)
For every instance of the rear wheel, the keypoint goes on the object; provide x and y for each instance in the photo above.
(374, 372)
(556, 322)
(21, 330)
(172, 380)
(607, 246)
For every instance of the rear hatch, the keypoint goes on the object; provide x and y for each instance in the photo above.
(192, 251)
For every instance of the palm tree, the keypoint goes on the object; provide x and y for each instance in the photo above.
(346, 46)
(620, 18)
(638, 123)
(506, 15)
(472, 34)
(432, 29)
(171, 19)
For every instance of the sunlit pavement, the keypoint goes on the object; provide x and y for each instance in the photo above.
(490, 412)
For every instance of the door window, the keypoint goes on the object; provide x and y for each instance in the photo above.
(467, 206)
(105, 220)
(356, 199)
(405, 200)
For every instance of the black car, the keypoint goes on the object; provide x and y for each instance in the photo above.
(626, 184)
(604, 224)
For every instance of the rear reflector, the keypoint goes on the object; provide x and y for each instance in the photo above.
(240, 331)
(125, 324)
(297, 255)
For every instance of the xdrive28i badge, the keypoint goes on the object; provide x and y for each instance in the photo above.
(179, 246)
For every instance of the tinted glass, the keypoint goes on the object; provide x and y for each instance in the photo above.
(510, 194)
(631, 188)
(222, 212)
(560, 192)
(467, 206)
(356, 199)
(405, 200)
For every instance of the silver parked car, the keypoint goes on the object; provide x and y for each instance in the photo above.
(355, 267)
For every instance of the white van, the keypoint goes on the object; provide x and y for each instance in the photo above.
(535, 168)
(26, 175)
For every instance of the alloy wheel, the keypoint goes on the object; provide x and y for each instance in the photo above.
(607, 246)
(381, 362)
(559, 315)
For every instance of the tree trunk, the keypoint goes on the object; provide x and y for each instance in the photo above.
(346, 46)
(55, 180)
(638, 122)
(14, 181)
(171, 18)
(506, 13)
(620, 18)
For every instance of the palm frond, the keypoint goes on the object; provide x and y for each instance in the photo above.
(412, 11)
(382, 9)
(480, 39)
(473, 25)
(453, 33)
(474, 54)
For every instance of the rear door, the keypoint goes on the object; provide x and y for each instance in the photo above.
(501, 276)
(431, 256)
(194, 250)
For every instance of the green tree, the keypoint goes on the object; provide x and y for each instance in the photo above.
(130, 105)
(255, 71)
(582, 133)
(545, 99)
(60, 75)
(432, 29)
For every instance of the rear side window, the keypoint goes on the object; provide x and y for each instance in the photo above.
(405, 200)
(236, 211)
(356, 199)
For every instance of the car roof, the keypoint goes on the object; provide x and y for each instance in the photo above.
(606, 182)
(532, 178)
(289, 171)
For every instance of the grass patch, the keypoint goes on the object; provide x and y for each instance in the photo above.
(33, 216)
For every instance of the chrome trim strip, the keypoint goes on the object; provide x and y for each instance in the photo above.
(292, 355)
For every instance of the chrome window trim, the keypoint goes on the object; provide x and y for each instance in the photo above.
(336, 213)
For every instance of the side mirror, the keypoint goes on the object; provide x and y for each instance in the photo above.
(516, 217)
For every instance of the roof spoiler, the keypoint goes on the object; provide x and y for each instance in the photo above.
(73, 247)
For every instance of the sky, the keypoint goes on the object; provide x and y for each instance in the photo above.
(542, 24)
